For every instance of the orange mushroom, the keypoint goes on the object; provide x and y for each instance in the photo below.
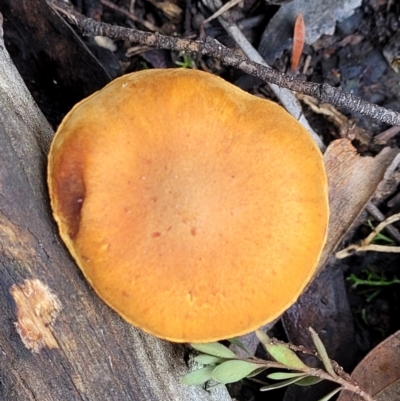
(196, 211)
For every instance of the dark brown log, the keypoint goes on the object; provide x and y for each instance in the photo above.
(58, 341)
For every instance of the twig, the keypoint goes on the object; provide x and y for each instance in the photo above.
(378, 215)
(146, 24)
(387, 135)
(366, 245)
(285, 96)
(211, 47)
(227, 6)
(307, 351)
(333, 372)
(132, 6)
(345, 383)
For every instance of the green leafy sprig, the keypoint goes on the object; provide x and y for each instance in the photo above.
(221, 366)
(373, 280)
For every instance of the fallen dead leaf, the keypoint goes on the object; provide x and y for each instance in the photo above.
(379, 372)
(353, 180)
(298, 41)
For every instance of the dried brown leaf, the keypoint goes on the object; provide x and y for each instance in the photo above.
(379, 372)
(353, 179)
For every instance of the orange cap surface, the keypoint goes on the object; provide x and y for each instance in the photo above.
(195, 210)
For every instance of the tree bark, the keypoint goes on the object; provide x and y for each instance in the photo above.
(58, 341)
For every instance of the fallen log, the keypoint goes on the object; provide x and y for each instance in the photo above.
(58, 341)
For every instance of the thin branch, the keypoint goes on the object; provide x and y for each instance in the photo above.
(366, 244)
(379, 216)
(211, 47)
(286, 97)
(146, 24)
(384, 137)
(306, 351)
(227, 6)
(346, 383)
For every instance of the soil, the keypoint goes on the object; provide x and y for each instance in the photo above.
(352, 59)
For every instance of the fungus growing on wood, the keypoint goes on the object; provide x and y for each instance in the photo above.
(196, 211)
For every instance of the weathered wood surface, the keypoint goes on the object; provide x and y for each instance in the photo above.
(75, 347)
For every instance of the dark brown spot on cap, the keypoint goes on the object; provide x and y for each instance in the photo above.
(70, 188)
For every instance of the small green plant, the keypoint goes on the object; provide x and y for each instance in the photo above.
(369, 284)
(373, 280)
(186, 62)
(222, 366)
(372, 283)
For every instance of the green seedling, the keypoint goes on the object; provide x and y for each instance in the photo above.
(373, 280)
(186, 62)
(372, 284)
(221, 366)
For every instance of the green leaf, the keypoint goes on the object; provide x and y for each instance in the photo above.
(285, 375)
(257, 372)
(262, 337)
(308, 381)
(304, 379)
(322, 352)
(280, 352)
(281, 384)
(233, 371)
(215, 349)
(285, 356)
(199, 376)
(331, 394)
(205, 359)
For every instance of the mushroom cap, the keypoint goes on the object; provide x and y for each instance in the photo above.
(196, 211)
